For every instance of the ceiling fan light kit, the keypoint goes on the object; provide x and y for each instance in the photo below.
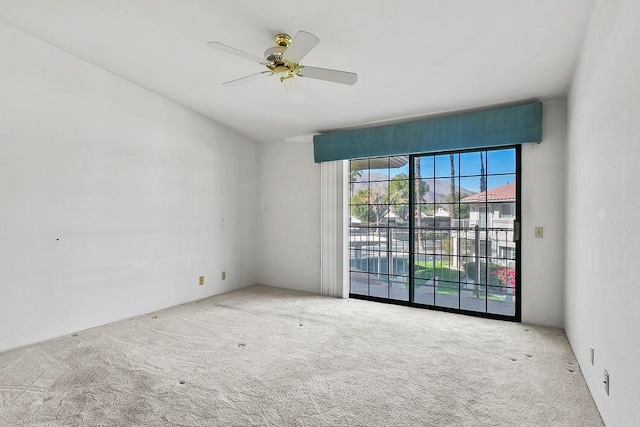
(283, 60)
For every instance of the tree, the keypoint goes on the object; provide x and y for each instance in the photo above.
(354, 176)
(452, 170)
(378, 205)
(369, 205)
(417, 201)
(359, 205)
(399, 195)
(419, 192)
(461, 210)
(483, 175)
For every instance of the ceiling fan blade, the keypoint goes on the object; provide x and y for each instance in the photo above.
(294, 90)
(248, 79)
(237, 52)
(335, 76)
(301, 44)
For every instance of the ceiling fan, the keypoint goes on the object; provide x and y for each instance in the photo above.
(283, 60)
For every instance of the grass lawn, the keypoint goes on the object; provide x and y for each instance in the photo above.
(480, 294)
(429, 270)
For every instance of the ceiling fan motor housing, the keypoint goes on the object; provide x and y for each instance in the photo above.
(274, 54)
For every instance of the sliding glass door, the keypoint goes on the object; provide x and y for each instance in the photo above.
(437, 231)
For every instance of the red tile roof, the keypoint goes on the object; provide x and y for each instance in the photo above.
(505, 193)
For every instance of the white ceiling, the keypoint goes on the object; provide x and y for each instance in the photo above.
(413, 58)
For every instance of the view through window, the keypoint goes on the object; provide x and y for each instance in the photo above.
(436, 230)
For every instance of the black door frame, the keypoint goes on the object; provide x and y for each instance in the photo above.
(517, 317)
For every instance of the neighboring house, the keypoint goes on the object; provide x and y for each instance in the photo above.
(501, 201)
(494, 212)
(441, 212)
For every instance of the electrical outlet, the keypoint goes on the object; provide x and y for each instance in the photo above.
(591, 355)
(539, 232)
(606, 382)
(224, 275)
(201, 280)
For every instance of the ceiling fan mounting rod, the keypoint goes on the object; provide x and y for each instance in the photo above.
(282, 40)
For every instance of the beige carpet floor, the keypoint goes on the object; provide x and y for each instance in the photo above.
(268, 356)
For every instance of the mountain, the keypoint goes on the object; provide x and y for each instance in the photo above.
(441, 187)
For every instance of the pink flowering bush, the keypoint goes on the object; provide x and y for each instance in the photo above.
(507, 276)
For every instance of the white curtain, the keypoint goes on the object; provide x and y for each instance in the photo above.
(334, 228)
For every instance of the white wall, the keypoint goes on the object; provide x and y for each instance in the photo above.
(542, 203)
(602, 296)
(112, 200)
(289, 254)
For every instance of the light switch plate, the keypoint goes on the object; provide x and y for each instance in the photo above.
(539, 232)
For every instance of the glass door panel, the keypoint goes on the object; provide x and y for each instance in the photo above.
(379, 227)
(464, 253)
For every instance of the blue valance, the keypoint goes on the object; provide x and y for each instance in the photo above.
(480, 129)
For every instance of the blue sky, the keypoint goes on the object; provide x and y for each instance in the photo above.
(500, 166)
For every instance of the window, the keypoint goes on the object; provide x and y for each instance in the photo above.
(507, 253)
(428, 230)
(508, 210)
